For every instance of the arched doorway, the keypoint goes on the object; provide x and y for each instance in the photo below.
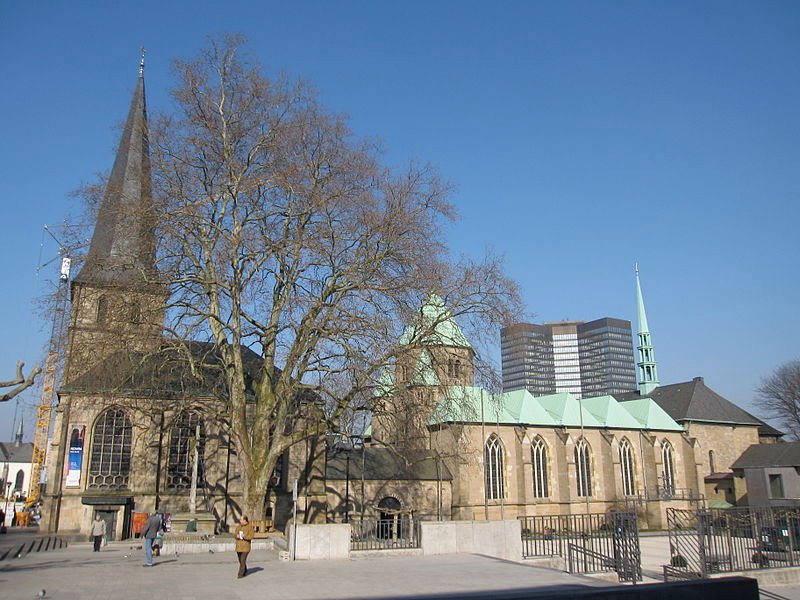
(389, 509)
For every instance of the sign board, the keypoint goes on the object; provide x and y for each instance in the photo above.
(75, 457)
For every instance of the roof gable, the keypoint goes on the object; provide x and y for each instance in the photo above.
(609, 412)
(694, 401)
(523, 406)
(650, 415)
(568, 411)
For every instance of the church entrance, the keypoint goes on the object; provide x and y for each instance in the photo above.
(389, 509)
(110, 517)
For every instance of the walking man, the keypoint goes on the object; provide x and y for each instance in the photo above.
(149, 533)
(243, 534)
(98, 531)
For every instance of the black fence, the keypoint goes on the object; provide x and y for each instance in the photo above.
(708, 541)
(392, 533)
(590, 543)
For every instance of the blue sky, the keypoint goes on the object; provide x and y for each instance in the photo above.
(581, 137)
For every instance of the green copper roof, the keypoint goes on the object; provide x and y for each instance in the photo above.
(650, 415)
(385, 385)
(523, 406)
(476, 405)
(567, 410)
(610, 412)
(643, 328)
(424, 373)
(469, 404)
(435, 327)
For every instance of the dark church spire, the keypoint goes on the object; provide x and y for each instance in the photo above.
(122, 252)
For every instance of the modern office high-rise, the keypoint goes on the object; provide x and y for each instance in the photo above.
(587, 359)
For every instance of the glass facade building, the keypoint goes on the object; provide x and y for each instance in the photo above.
(587, 359)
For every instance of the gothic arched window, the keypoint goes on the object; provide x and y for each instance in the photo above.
(493, 468)
(712, 464)
(583, 468)
(668, 474)
(110, 465)
(626, 465)
(186, 431)
(539, 465)
(19, 481)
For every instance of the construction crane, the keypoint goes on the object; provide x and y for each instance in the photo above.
(51, 370)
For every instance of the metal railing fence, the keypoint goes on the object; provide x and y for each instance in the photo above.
(707, 541)
(394, 533)
(591, 543)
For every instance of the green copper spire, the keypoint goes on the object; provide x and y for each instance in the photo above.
(648, 374)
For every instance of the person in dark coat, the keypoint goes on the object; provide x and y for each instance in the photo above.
(151, 528)
(243, 534)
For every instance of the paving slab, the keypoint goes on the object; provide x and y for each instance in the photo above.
(117, 572)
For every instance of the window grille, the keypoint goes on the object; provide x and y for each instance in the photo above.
(669, 471)
(181, 451)
(626, 464)
(493, 467)
(110, 464)
(539, 464)
(583, 468)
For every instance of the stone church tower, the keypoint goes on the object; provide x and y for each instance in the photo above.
(117, 303)
(433, 356)
(117, 315)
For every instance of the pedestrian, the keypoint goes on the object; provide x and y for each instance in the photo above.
(98, 531)
(149, 533)
(243, 534)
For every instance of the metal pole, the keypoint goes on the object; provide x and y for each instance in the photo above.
(347, 489)
(483, 461)
(227, 481)
(195, 469)
(158, 461)
(363, 464)
(294, 520)
(580, 456)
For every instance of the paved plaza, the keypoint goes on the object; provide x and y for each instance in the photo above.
(117, 572)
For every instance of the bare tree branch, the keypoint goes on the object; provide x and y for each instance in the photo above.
(297, 254)
(779, 396)
(21, 382)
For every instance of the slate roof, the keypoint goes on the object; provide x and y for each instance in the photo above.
(385, 464)
(122, 251)
(163, 373)
(769, 455)
(695, 401)
(767, 430)
(10, 452)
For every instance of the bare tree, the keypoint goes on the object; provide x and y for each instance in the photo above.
(289, 246)
(21, 382)
(779, 396)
